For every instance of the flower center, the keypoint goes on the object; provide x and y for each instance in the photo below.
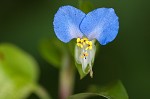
(84, 43)
(85, 53)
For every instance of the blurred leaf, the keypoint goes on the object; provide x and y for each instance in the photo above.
(18, 72)
(114, 90)
(52, 51)
(85, 5)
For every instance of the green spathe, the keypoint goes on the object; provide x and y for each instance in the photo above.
(85, 58)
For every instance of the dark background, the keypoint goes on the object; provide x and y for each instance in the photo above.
(25, 22)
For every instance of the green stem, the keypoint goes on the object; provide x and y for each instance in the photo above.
(66, 80)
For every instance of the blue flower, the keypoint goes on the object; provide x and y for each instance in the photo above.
(100, 24)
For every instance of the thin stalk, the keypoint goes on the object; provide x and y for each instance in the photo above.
(66, 80)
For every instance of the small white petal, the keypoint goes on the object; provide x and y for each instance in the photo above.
(77, 54)
(87, 60)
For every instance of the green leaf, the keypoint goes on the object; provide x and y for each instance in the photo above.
(18, 72)
(52, 51)
(114, 90)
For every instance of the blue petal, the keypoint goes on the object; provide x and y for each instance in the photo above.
(101, 24)
(66, 23)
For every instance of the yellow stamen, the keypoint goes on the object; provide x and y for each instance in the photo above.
(84, 43)
(80, 45)
(89, 45)
(79, 42)
(85, 54)
(84, 40)
(89, 42)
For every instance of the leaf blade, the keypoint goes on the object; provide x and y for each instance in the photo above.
(114, 90)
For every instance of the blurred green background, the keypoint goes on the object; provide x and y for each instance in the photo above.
(25, 22)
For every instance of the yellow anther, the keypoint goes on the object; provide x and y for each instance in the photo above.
(79, 42)
(80, 45)
(85, 54)
(89, 45)
(84, 40)
(84, 43)
(89, 42)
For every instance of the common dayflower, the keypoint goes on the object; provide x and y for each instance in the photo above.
(101, 24)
